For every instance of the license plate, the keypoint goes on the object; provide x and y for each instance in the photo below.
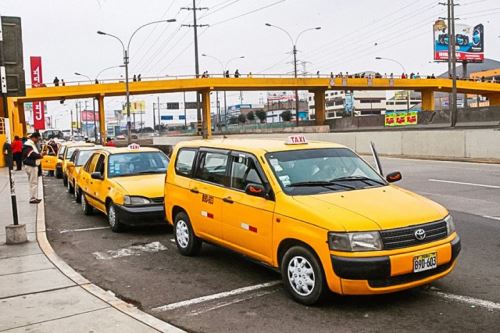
(424, 262)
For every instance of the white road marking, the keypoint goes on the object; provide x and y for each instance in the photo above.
(463, 183)
(134, 250)
(207, 298)
(234, 301)
(491, 217)
(84, 229)
(172, 240)
(467, 300)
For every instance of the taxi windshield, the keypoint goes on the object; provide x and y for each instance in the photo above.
(69, 152)
(83, 157)
(133, 164)
(313, 171)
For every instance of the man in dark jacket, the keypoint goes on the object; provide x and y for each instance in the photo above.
(7, 154)
(32, 159)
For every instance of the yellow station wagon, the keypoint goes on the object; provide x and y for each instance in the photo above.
(315, 210)
(126, 184)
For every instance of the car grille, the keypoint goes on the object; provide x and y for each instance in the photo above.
(158, 200)
(404, 237)
(408, 278)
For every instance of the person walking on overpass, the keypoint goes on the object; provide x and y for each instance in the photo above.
(56, 81)
(237, 74)
(31, 160)
(17, 152)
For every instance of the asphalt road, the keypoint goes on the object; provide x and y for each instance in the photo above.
(142, 266)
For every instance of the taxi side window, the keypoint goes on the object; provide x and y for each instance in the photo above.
(212, 167)
(244, 172)
(100, 165)
(184, 162)
(89, 167)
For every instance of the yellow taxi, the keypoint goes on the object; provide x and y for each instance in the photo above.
(65, 153)
(49, 160)
(126, 184)
(315, 210)
(79, 157)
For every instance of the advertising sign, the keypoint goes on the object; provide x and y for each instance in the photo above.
(135, 107)
(90, 116)
(37, 81)
(469, 42)
(405, 118)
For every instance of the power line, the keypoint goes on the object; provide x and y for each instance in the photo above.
(249, 12)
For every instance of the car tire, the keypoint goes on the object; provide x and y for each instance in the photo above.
(86, 207)
(77, 194)
(51, 173)
(303, 275)
(69, 187)
(65, 181)
(114, 220)
(185, 239)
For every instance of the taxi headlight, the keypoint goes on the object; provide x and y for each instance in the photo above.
(355, 241)
(450, 225)
(133, 201)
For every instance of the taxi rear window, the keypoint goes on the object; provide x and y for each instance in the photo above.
(132, 164)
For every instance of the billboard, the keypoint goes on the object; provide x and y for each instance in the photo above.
(469, 42)
(403, 118)
(37, 81)
(135, 107)
(89, 115)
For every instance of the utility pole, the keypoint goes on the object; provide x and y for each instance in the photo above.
(159, 112)
(451, 35)
(185, 113)
(195, 25)
(71, 126)
(154, 117)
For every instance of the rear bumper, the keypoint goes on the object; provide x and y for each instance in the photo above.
(141, 216)
(376, 275)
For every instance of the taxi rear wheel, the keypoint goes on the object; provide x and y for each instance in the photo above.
(70, 187)
(185, 239)
(59, 173)
(302, 275)
(86, 207)
(65, 181)
(78, 196)
(113, 219)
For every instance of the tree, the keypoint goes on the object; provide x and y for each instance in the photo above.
(286, 115)
(261, 114)
(251, 116)
(241, 118)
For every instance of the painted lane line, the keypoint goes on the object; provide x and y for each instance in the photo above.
(463, 183)
(84, 229)
(134, 250)
(491, 217)
(467, 300)
(212, 297)
(234, 301)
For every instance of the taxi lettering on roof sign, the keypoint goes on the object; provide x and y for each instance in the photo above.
(296, 140)
(134, 146)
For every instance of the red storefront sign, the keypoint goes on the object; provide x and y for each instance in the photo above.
(37, 81)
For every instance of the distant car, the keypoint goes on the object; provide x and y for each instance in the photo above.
(52, 134)
(79, 157)
(66, 134)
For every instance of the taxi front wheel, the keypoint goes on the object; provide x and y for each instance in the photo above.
(113, 219)
(185, 239)
(86, 207)
(302, 275)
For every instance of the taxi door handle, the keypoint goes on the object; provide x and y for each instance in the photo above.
(228, 200)
(194, 190)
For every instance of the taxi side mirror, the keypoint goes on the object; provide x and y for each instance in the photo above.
(96, 175)
(394, 177)
(256, 190)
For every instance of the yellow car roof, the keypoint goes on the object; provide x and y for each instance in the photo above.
(257, 145)
(79, 144)
(120, 150)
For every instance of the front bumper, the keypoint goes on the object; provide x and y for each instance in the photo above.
(141, 215)
(376, 275)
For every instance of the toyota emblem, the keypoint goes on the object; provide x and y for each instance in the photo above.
(420, 234)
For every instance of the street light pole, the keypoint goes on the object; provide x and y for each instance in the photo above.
(404, 71)
(126, 62)
(294, 51)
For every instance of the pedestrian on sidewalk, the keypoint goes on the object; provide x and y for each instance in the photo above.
(31, 160)
(109, 142)
(7, 154)
(17, 152)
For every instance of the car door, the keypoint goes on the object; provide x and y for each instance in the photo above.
(99, 187)
(247, 219)
(182, 192)
(208, 186)
(84, 181)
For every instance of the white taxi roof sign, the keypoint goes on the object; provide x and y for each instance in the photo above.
(298, 139)
(134, 146)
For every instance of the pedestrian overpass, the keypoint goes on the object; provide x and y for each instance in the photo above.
(317, 86)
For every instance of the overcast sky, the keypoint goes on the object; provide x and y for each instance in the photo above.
(63, 33)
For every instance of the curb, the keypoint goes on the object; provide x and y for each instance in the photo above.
(106, 296)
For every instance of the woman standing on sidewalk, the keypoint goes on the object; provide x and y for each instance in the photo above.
(17, 151)
(31, 160)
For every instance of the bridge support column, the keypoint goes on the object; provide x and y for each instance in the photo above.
(102, 118)
(16, 118)
(207, 119)
(494, 99)
(319, 106)
(428, 103)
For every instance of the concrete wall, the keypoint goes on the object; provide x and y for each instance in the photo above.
(452, 144)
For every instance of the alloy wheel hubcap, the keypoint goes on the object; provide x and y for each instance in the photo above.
(182, 233)
(301, 276)
(112, 216)
(84, 204)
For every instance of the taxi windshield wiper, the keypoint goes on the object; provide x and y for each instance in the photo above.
(320, 183)
(363, 179)
(146, 172)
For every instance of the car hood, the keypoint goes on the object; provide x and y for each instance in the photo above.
(149, 186)
(377, 208)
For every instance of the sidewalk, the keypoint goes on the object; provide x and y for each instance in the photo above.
(40, 293)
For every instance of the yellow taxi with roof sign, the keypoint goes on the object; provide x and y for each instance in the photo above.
(315, 210)
(126, 184)
(65, 153)
(79, 157)
(49, 160)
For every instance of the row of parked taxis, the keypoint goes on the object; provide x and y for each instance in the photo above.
(315, 211)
